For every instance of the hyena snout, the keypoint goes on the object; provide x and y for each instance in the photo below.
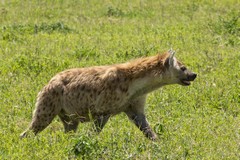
(189, 76)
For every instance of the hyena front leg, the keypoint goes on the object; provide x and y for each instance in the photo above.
(100, 122)
(69, 123)
(141, 122)
(135, 113)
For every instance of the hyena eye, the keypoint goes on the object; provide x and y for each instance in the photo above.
(183, 68)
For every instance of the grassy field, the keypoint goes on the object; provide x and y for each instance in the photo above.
(40, 38)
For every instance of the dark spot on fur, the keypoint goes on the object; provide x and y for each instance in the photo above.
(96, 79)
(54, 93)
(53, 106)
(51, 103)
(82, 87)
(118, 79)
(123, 88)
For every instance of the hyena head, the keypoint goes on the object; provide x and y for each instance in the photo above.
(179, 74)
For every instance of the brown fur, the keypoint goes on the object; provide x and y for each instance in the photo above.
(77, 95)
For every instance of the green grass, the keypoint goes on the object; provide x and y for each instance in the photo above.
(40, 38)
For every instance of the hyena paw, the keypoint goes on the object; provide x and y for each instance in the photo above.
(153, 137)
(150, 134)
(24, 134)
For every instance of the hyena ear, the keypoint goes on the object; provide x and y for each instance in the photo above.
(170, 59)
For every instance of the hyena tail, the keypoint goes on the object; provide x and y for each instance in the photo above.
(48, 105)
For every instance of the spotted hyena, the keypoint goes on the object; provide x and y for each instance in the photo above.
(97, 93)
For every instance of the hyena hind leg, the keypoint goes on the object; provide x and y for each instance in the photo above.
(68, 122)
(43, 115)
(39, 122)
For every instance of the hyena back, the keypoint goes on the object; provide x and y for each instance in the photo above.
(81, 94)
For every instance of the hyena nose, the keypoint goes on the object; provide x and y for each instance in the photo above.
(192, 76)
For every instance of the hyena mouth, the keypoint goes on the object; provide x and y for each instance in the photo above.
(185, 82)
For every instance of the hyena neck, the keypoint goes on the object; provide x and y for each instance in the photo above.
(146, 75)
(145, 85)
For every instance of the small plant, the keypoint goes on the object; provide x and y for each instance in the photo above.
(54, 27)
(12, 32)
(159, 129)
(86, 147)
(115, 12)
(228, 27)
